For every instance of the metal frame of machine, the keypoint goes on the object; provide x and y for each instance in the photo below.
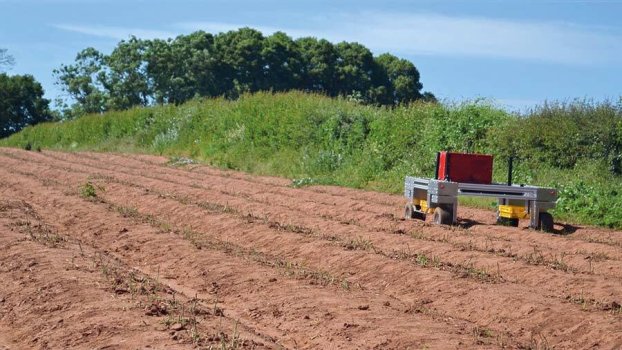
(515, 201)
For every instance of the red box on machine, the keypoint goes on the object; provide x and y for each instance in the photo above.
(464, 167)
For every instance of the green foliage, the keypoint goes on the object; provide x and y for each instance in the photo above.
(183, 68)
(578, 198)
(87, 190)
(126, 78)
(148, 72)
(83, 82)
(319, 140)
(400, 79)
(318, 59)
(21, 103)
(561, 134)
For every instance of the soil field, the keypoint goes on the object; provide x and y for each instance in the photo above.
(107, 251)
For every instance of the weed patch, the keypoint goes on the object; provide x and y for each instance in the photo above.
(41, 233)
(88, 190)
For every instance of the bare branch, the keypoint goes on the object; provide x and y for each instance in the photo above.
(6, 60)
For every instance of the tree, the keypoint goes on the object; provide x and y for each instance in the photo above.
(126, 78)
(21, 103)
(319, 59)
(82, 82)
(6, 60)
(403, 79)
(283, 63)
(355, 66)
(240, 54)
(183, 68)
(429, 97)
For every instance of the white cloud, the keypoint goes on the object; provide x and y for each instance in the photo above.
(426, 34)
(451, 36)
(118, 33)
(470, 36)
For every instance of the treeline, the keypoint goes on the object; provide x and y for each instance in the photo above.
(148, 72)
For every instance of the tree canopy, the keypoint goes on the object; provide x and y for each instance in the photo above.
(146, 72)
(21, 103)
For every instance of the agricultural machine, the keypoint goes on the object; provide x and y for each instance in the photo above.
(460, 174)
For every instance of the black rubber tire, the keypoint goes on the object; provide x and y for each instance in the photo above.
(507, 222)
(413, 212)
(419, 215)
(408, 211)
(546, 222)
(443, 216)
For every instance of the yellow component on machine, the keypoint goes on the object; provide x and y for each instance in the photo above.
(423, 204)
(512, 211)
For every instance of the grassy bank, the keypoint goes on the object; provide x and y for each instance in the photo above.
(314, 139)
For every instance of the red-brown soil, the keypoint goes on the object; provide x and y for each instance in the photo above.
(149, 255)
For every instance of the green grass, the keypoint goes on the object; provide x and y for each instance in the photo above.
(318, 140)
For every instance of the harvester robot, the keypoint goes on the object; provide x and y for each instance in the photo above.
(461, 174)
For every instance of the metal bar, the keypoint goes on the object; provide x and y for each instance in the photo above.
(534, 214)
(515, 192)
(497, 190)
(510, 161)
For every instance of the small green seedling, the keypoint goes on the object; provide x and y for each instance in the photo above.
(89, 190)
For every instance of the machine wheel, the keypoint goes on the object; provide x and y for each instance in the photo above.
(409, 211)
(546, 222)
(413, 212)
(419, 215)
(442, 216)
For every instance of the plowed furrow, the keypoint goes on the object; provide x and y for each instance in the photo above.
(562, 255)
(331, 192)
(256, 295)
(65, 294)
(407, 307)
(601, 236)
(229, 181)
(168, 206)
(91, 251)
(478, 237)
(460, 249)
(577, 292)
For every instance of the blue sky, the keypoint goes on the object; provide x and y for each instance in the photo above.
(518, 53)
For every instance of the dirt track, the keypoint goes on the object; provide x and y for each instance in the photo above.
(172, 257)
